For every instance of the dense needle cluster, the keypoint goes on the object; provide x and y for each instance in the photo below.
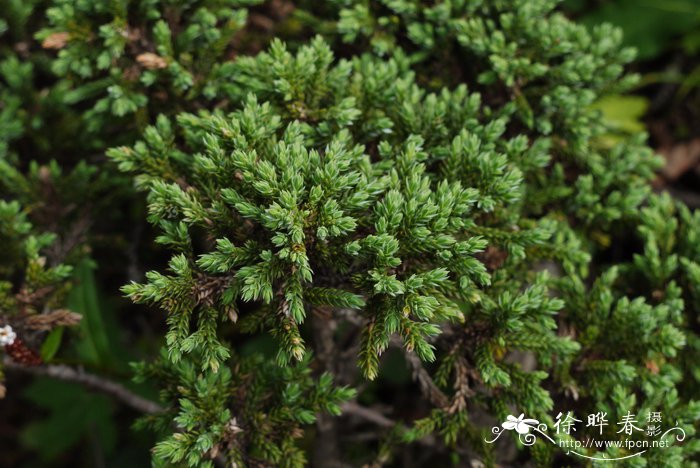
(431, 181)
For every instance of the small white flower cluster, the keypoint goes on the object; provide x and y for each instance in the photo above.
(7, 335)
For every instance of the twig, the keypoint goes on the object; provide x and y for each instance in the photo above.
(436, 396)
(374, 416)
(352, 408)
(114, 389)
(326, 448)
(421, 375)
(94, 382)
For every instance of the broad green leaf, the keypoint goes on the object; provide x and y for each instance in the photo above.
(51, 344)
(623, 115)
(94, 345)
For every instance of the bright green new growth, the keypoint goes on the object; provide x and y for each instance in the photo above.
(353, 189)
(281, 200)
(431, 177)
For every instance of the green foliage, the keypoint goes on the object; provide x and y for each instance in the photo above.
(656, 24)
(449, 179)
(393, 200)
(299, 190)
(665, 34)
(266, 408)
(126, 57)
(551, 67)
(43, 283)
(74, 414)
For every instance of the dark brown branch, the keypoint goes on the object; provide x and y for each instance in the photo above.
(94, 382)
(351, 408)
(368, 414)
(431, 391)
(326, 449)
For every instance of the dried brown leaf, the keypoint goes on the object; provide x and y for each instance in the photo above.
(55, 41)
(51, 320)
(151, 61)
